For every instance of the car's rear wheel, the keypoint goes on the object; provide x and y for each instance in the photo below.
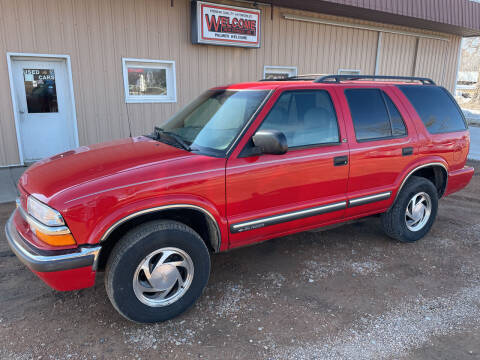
(414, 211)
(157, 271)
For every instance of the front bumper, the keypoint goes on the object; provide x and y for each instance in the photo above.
(63, 269)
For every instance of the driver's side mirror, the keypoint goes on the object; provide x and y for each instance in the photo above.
(270, 142)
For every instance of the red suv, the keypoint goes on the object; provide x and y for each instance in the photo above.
(241, 164)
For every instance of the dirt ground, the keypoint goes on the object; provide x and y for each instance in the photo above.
(343, 293)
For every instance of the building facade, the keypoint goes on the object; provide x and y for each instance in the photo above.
(87, 71)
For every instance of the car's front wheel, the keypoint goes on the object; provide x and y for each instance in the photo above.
(157, 271)
(412, 215)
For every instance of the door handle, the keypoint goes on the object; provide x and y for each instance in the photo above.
(340, 160)
(406, 151)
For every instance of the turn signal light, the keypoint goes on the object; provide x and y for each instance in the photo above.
(56, 240)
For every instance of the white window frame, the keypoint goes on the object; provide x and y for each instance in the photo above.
(168, 65)
(279, 70)
(350, 71)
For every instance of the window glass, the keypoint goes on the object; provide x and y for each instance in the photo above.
(369, 114)
(398, 126)
(279, 72)
(348, 72)
(306, 117)
(147, 81)
(40, 90)
(436, 108)
(215, 118)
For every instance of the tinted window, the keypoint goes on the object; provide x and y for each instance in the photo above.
(371, 118)
(306, 117)
(398, 126)
(435, 107)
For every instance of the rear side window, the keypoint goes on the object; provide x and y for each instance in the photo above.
(436, 108)
(374, 115)
(398, 126)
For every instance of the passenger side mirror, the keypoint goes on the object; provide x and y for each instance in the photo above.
(270, 142)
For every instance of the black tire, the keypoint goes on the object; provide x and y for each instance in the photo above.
(393, 221)
(132, 249)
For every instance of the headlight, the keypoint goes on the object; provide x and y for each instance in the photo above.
(43, 213)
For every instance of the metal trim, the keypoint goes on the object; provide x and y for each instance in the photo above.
(290, 216)
(160, 208)
(46, 261)
(47, 230)
(289, 16)
(369, 199)
(418, 168)
(332, 79)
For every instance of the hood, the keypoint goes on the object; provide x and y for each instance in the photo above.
(76, 168)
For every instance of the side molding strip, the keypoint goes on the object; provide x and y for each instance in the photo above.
(369, 199)
(277, 219)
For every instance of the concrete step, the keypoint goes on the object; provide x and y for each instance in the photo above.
(8, 183)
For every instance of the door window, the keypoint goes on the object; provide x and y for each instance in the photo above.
(306, 117)
(398, 126)
(40, 90)
(374, 115)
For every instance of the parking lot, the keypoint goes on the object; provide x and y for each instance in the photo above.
(347, 293)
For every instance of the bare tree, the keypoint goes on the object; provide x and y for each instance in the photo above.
(470, 61)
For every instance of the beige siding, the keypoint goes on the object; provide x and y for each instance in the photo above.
(397, 55)
(98, 33)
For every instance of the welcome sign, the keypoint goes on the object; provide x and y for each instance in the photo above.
(225, 25)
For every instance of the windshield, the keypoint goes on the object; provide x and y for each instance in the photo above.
(215, 118)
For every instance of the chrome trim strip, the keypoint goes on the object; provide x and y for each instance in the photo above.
(418, 168)
(295, 215)
(369, 199)
(160, 208)
(49, 261)
(47, 230)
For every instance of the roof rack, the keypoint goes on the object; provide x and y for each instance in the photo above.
(339, 78)
(305, 77)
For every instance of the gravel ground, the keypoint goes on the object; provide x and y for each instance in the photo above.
(342, 293)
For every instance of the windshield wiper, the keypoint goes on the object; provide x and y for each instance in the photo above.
(159, 132)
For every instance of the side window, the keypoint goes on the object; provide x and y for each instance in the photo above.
(436, 108)
(374, 115)
(306, 117)
(398, 126)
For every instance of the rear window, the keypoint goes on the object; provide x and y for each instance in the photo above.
(436, 108)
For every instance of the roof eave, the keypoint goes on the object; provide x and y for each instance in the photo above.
(327, 7)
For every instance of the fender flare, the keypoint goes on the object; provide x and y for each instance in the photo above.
(133, 215)
(410, 173)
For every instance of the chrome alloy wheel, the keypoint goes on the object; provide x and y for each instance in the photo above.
(163, 277)
(418, 211)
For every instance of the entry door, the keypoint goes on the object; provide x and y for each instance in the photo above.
(273, 195)
(44, 108)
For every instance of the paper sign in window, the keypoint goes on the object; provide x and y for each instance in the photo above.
(40, 90)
